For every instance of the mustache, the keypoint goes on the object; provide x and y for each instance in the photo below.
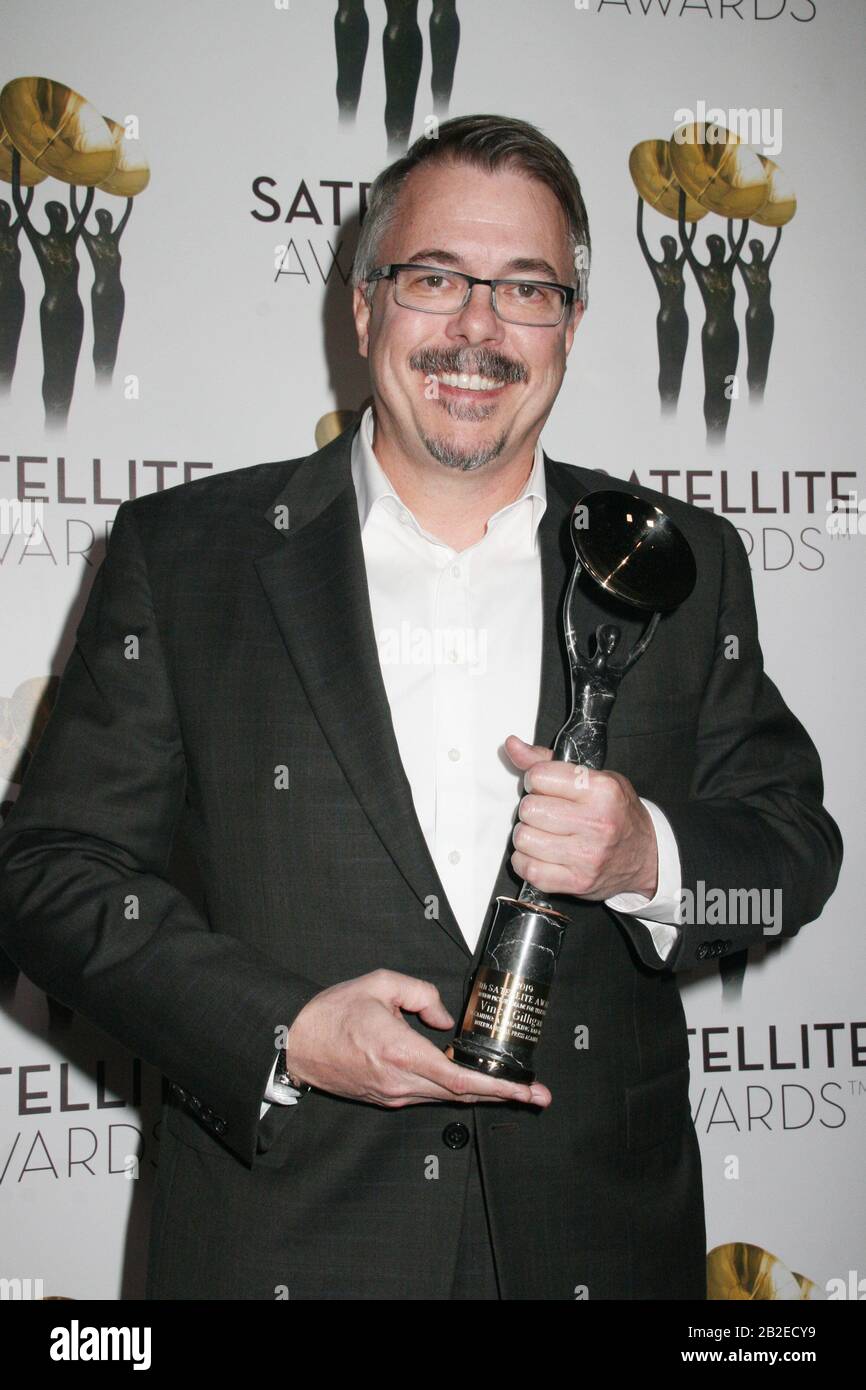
(484, 362)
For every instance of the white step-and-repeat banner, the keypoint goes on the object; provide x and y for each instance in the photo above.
(196, 317)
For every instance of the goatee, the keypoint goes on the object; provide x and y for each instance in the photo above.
(452, 455)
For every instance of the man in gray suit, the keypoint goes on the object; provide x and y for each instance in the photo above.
(328, 676)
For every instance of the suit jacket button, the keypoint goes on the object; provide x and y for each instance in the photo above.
(219, 1124)
(456, 1135)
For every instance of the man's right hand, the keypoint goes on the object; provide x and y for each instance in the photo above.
(352, 1040)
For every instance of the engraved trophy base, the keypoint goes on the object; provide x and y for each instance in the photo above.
(472, 1053)
(508, 1001)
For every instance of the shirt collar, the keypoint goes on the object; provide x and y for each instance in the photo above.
(372, 486)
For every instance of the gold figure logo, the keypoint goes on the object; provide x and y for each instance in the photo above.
(704, 168)
(49, 130)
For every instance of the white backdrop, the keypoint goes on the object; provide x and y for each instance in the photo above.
(234, 364)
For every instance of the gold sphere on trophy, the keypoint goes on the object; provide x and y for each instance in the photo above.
(58, 130)
(782, 202)
(745, 1273)
(653, 176)
(719, 172)
(332, 424)
(29, 173)
(131, 174)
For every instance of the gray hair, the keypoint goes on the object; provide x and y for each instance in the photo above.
(490, 143)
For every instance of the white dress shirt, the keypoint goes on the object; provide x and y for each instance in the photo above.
(459, 635)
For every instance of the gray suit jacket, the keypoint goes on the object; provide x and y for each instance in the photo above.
(254, 651)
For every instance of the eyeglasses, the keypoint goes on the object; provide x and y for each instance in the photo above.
(432, 290)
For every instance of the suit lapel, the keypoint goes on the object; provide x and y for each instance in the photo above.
(313, 572)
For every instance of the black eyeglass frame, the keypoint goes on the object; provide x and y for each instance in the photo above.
(388, 272)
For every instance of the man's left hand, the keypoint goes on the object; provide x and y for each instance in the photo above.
(580, 831)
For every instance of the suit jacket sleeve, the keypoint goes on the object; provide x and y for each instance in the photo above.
(755, 817)
(85, 908)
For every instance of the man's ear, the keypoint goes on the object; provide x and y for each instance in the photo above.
(361, 312)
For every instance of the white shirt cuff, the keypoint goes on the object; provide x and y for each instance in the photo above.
(658, 914)
(278, 1094)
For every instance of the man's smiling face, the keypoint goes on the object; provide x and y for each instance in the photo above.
(502, 224)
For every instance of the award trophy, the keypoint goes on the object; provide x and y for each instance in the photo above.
(636, 554)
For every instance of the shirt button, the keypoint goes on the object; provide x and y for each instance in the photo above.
(452, 655)
(456, 1135)
(454, 754)
(454, 857)
(455, 570)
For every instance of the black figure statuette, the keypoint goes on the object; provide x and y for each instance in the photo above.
(672, 321)
(61, 313)
(107, 297)
(637, 555)
(11, 291)
(720, 337)
(403, 55)
(760, 320)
